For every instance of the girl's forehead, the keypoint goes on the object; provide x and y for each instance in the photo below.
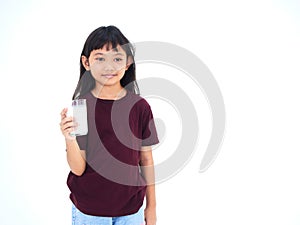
(107, 49)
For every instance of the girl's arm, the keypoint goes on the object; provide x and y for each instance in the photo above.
(148, 173)
(75, 156)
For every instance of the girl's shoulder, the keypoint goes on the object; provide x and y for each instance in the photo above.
(138, 100)
(87, 96)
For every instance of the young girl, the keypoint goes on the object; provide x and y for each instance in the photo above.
(112, 166)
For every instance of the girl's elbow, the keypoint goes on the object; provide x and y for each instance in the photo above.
(147, 162)
(78, 171)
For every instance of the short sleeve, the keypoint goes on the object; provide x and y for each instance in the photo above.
(149, 133)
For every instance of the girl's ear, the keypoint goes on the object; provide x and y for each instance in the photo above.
(85, 62)
(129, 62)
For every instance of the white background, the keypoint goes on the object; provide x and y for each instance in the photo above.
(251, 47)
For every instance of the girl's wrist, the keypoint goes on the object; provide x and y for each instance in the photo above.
(150, 206)
(70, 139)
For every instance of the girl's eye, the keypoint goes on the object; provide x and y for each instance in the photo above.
(118, 59)
(100, 59)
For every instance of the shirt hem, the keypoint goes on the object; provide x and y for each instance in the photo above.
(92, 212)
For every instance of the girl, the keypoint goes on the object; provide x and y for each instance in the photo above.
(112, 166)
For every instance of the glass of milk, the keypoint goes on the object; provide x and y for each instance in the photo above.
(80, 117)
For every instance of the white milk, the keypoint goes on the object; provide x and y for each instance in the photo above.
(80, 117)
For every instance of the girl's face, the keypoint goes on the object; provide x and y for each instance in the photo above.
(107, 66)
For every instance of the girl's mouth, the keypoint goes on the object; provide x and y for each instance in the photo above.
(108, 76)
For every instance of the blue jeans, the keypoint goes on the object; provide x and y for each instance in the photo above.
(79, 218)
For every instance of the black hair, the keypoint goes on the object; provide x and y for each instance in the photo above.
(109, 36)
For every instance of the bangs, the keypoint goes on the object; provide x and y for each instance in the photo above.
(110, 43)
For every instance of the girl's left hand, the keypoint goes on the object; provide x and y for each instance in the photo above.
(150, 216)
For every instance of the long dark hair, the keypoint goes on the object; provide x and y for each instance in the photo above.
(109, 36)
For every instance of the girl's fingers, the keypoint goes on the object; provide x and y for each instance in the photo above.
(66, 120)
(66, 131)
(68, 125)
(63, 113)
(69, 130)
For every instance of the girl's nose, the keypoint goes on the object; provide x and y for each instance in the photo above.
(109, 67)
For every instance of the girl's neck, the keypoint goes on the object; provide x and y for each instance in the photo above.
(109, 92)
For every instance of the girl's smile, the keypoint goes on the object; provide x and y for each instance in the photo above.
(109, 76)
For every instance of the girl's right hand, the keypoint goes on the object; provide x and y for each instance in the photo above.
(67, 125)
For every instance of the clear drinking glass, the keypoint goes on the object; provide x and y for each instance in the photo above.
(80, 117)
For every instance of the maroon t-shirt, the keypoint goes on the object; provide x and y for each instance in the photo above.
(112, 184)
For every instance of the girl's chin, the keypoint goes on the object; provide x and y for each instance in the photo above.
(108, 82)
